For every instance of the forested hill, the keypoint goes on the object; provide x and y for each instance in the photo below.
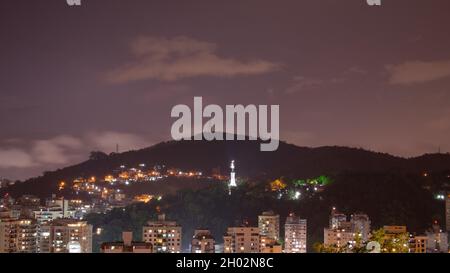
(288, 160)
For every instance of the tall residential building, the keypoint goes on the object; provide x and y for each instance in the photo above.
(65, 236)
(5, 213)
(202, 242)
(343, 233)
(418, 244)
(338, 237)
(269, 225)
(269, 245)
(7, 235)
(18, 235)
(295, 233)
(241, 240)
(437, 240)
(447, 212)
(126, 246)
(165, 236)
(360, 224)
(339, 232)
(337, 219)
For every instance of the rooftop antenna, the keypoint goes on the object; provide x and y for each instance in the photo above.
(117, 148)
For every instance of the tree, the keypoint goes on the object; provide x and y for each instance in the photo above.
(391, 243)
(277, 185)
(97, 155)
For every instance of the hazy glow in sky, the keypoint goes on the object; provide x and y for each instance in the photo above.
(75, 79)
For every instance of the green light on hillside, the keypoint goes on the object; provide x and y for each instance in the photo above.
(321, 181)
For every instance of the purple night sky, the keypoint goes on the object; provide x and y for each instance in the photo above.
(76, 79)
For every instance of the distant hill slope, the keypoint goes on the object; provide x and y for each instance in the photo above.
(288, 160)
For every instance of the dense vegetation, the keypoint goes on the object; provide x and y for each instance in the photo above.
(388, 198)
(288, 160)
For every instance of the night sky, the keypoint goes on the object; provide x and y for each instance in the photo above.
(76, 79)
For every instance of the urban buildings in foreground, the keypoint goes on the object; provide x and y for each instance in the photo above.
(269, 245)
(56, 226)
(127, 245)
(18, 235)
(295, 233)
(418, 244)
(342, 232)
(241, 240)
(65, 236)
(269, 225)
(203, 242)
(437, 239)
(28, 227)
(165, 236)
(447, 212)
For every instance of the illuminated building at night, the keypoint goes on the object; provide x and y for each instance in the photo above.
(202, 242)
(418, 244)
(437, 240)
(295, 232)
(360, 224)
(18, 235)
(390, 231)
(447, 211)
(269, 245)
(241, 240)
(165, 236)
(126, 246)
(342, 232)
(269, 225)
(65, 236)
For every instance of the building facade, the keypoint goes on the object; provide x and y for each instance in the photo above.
(241, 240)
(202, 242)
(418, 244)
(165, 236)
(437, 240)
(126, 246)
(269, 245)
(18, 235)
(295, 234)
(65, 236)
(360, 225)
(447, 212)
(269, 225)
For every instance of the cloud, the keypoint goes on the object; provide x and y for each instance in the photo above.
(182, 57)
(15, 158)
(418, 71)
(55, 150)
(107, 141)
(65, 149)
(301, 83)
